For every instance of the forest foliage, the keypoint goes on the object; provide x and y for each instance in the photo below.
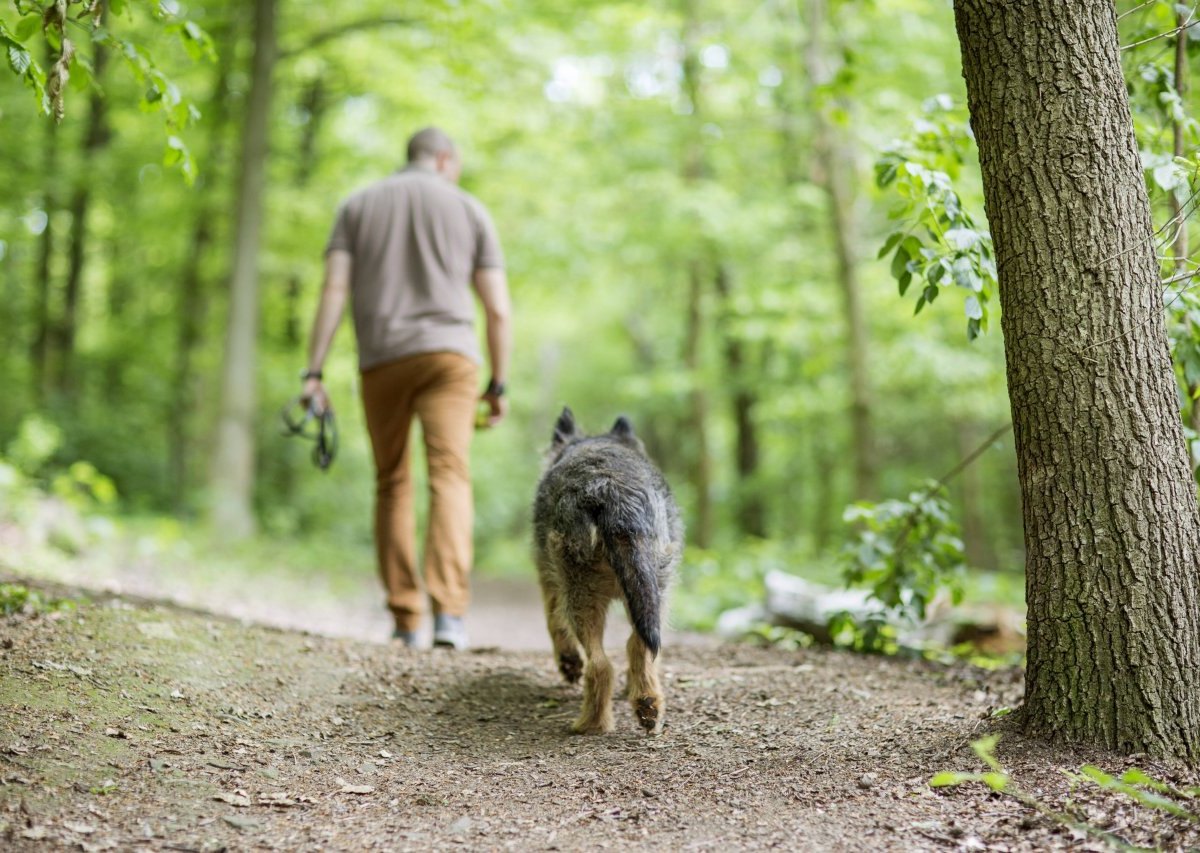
(707, 210)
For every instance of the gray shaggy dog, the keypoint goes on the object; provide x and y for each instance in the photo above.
(605, 526)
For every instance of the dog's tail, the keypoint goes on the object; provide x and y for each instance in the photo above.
(627, 540)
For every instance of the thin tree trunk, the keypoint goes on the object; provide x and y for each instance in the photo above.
(751, 510)
(834, 162)
(97, 137)
(695, 169)
(825, 477)
(40, 346)
(232, 483)
(193, 299)
(700, 531)
(1111, 530)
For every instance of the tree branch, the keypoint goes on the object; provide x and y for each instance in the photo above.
(345, 29)
(1165, 35)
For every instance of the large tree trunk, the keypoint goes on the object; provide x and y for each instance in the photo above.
(232, 484)
(1111, 527)
(834, 168)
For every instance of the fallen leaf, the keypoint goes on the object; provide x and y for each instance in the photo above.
(34, 833)
(176, 693)
(117, 733)
(81, 828)
(241, 822)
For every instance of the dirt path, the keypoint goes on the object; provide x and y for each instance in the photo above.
(345, 601)
(146, 728)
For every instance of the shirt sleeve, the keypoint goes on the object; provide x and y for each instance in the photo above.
(488, 253)
(340, 237)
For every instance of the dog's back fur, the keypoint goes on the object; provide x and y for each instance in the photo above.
(605, 526)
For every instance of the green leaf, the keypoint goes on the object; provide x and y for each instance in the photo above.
(985, 748)
(117, 7)
(19, 59)
(899, 262)
(27, 26)
(890, 243)
(965, 275)
(962, 238)
(972, 307)
(945, 779)
(996, 781)
(905, 280)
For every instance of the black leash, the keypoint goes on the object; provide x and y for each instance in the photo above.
(301, 419)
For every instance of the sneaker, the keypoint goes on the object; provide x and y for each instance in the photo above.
(406, 638)
(449, 632)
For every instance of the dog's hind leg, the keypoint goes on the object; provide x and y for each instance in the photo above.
(645, 692)
(566, 650)
(586, 613)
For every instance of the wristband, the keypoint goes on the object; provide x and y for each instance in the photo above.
(310, 374)
(494, 389)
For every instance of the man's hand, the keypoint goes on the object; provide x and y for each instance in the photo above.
(314, 396)
(497, 407)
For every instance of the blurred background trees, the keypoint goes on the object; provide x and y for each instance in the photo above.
(693, 197)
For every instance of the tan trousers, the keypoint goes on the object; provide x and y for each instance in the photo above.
(442, 390)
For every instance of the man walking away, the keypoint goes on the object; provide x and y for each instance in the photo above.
(407, 250)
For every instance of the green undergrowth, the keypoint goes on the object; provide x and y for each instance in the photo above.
(1132, 788)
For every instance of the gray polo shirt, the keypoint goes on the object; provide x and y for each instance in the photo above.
(416, 240)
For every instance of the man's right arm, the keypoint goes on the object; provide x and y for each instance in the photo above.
(338, 264)
(491, 284)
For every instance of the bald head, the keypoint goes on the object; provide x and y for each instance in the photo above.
(427, 144)
(432, 149)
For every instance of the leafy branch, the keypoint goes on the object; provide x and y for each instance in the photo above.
(89, 19)
(940, 243)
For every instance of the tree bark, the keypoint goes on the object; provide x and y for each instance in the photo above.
(232, 482)
(1111, 527)
(833, 155)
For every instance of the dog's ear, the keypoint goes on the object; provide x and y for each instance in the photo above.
(622, 428)
(564, 430)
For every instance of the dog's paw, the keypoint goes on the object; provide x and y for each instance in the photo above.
(649, 711)
(592, 725)
(571, 667)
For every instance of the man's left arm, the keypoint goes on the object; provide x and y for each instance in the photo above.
(338, 266)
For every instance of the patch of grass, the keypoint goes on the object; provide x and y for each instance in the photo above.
(18, 598)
